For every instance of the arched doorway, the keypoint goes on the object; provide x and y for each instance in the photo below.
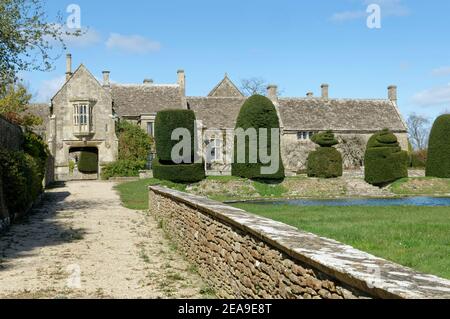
(83, 163)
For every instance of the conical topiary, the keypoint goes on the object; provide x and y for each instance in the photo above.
(325, 161)
(385, 162)
(258, 112)
(438, 162)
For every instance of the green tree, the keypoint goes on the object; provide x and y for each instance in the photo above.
(27, 38)
(14, 106)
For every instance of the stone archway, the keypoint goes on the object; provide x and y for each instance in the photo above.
(83, 163)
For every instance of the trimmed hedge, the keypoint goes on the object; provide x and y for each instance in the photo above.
(163, 166)
(88, 162)
(325, 161)
(385, 162)
(438, 162)
(181, 173)
(165, 123)
(257, 112)
(123, 168)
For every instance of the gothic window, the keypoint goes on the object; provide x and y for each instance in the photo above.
(304, 135)
(82, 117)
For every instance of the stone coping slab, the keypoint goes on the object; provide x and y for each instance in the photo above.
(375, 276)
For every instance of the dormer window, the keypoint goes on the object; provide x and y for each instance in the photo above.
(82, 117)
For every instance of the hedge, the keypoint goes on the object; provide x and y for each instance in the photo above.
(21, 179)
(134, 143)
(88, 162)
(123, 168)
(385, 162)
(325, 161)
(438, 162)
(257, 112)
(165, 123)
(180, 173)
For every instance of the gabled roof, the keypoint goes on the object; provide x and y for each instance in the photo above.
(137, 99)
(225, 88)
(216, 112)
(340, 114)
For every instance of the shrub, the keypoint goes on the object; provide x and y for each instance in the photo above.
(21, 179)
(163, 166)
(165, 123)
(134, 143)
(438, 162)
(419, 159)
(88, 162)
(325, 161)
(258, 112)
(385, 162)
(180, 173)
(35, 146)
(123, 168)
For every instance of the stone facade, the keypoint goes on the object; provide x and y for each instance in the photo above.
(218, 111)
(245, 256)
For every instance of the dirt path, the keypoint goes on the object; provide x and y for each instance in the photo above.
(83, 243)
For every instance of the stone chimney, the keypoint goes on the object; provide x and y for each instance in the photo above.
(310, 95)
(325, 94)
(272, 92)
(182, 82)
(148, 81)
(106, 81)
(68, 66)
(392, 93)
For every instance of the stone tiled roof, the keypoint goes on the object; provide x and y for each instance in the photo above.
(216, 112)
(41, 110)
(226, 88)
(340, 114)
(137, 99)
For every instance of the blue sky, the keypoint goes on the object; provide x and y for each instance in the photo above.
(295, 44)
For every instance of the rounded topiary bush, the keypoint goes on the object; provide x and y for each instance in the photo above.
(165, 123)
(258, 112)
(326, 161)
(164, 167)
(88, 162)
(438, 161)
(385, 162)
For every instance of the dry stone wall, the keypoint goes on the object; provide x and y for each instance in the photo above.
(245, 256)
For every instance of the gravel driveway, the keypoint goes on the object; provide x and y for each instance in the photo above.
(81, 243)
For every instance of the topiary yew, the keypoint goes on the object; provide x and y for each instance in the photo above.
(326, 161)
(438, 161)
(385, 162)
(88, 162)
(258, 112)
(164, 167)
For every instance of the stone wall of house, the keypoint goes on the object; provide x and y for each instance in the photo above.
(245, 256)
(353, 146)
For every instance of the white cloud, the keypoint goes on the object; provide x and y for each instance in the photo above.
(132, 43)
(442, 71)
(48, 88)
(388, 8)
(437, 96)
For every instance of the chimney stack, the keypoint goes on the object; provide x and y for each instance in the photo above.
(392, 93)
(106, 81)
(310, 95)
(325, 93)
(68, 66)
(182, 82)
(272, 92)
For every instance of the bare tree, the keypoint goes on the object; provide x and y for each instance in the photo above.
(419, 130)
(253, 86)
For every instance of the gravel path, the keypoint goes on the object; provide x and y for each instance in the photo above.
(81, 243)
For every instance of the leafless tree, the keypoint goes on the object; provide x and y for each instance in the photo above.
(419, 130)
(253, 86)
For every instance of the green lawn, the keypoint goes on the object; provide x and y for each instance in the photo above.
(416, 237)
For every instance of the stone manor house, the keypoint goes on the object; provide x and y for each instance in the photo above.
(83, 113)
